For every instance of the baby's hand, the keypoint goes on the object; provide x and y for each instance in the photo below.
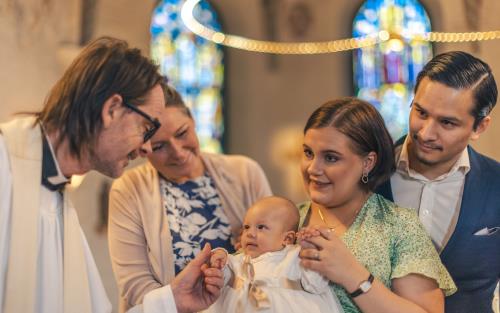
(218, 259)
(306, 233)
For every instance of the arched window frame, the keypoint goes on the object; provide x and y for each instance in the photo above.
(385, 74)
(198, 73)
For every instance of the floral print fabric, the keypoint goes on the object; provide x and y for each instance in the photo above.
(195, 217)
(390, 242)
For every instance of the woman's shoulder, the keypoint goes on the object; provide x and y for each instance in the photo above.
(393, 213)
(228, 160)
(303, 208)
(235, 169)
(140, 175)
(403, 224)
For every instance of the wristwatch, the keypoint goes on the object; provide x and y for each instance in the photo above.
(364, 287)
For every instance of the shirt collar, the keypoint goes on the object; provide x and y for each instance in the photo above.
(52, 177)
(403, 163)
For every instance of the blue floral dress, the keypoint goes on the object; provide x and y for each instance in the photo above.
(195, 217)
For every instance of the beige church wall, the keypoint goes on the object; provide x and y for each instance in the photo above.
(267, 105)
(35, 37)
(125, 19)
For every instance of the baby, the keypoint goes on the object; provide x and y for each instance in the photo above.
(267, 276)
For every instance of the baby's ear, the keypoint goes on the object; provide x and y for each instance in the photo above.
(289, 238)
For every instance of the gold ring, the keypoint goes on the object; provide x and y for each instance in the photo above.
(316, 256)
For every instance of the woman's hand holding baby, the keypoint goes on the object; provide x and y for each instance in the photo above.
(324, 252)
(306, 233)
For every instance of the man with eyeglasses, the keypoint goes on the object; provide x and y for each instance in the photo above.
(100, 115)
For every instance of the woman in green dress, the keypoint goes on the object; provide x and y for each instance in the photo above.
(376, 254)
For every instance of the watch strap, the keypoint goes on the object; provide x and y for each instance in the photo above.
(360, 291)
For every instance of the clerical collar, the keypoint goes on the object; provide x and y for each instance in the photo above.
(52, 177)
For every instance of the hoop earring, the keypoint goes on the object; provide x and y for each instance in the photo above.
(364, 178)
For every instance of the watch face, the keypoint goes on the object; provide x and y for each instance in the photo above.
(365, 286)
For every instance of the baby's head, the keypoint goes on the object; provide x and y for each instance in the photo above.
(269, 225)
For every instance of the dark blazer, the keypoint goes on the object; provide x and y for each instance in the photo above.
(473, 261)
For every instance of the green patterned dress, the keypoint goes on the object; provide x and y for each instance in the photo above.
(390, 242)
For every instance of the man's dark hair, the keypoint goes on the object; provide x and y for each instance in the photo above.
(359, 121)
(460, 70)
(105, 67)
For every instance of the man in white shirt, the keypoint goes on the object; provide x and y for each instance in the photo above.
(100, 115)
(454, 189)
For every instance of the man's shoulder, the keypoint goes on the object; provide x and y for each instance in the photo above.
(400, 141)
(485, 163)
(483, 180)
(17, 123)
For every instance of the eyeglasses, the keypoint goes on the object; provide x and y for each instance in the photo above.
(154, 121)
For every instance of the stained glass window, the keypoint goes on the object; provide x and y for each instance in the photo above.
(385, 74)
(193, 65)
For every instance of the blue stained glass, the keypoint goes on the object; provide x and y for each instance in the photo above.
(385, 74)
(193, 65)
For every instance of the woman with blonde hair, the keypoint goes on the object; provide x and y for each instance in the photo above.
(163, 212)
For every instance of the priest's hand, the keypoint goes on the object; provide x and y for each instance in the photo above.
(198, 285)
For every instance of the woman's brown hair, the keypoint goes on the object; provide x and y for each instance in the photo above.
(364, 126)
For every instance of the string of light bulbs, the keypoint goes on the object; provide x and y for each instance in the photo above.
(319, 47)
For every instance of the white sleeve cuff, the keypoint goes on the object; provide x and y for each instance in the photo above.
(159, 300)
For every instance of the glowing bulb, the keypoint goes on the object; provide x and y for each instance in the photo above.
(218, 37)
(396, 45)
(319, 47)
(383, 35)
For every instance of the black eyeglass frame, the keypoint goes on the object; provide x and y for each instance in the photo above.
(154, 121)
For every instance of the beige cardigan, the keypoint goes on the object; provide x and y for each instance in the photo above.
(139, 237)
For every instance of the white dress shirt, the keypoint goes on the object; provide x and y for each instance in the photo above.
(437, 201)
(159, 300)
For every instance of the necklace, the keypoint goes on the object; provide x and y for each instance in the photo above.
(332, 227)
